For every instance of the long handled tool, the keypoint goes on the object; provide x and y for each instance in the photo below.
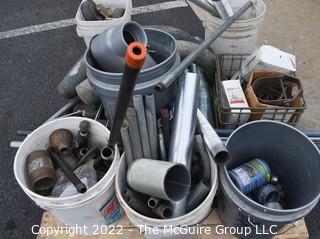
(134, 59)
(169, 78)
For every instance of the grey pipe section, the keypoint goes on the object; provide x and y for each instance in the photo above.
(197, 195)
(168, 79)
(162, 146)
(153, 202)
(184, 122)
(206, 60)
(152, 133)
(134, 133)
(65, 109)
(137, 202)
(77, 74)
(200, 148)
(113, 42)
(224, 9)
(160, 179)
(184, 128)
(86, 94)
(207, 6)
(213, 142)
(152, 124)
(163, 211)
(126, 143)
(142, 124)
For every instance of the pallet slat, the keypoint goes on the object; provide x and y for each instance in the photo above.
(296, 231)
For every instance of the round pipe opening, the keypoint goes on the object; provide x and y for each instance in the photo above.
(132, 32)
(152, 203)
(167, 212)
(177, 182)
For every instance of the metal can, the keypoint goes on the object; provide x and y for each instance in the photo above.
(251, 175)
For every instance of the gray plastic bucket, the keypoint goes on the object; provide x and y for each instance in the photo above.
(107, 84)
(291, 156)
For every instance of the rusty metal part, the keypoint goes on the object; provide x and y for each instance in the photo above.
(61, 140)
(92, 153)
(81, 187)
(70, 158)
(83, 134)
(41, 173)
(279, 90)
(104, 11)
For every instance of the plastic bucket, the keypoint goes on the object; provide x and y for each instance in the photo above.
(241, 37)
(293, 157)
(88, 29)
(146, 224)
(96, 208)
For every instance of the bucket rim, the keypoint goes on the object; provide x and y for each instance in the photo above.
(261, 15)
(56, 202)
(143, 71)
(242, 195)
(173, 221)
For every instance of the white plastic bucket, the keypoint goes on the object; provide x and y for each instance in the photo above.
(93, 210)
(190, 219)
(88, 29)
(241, 37)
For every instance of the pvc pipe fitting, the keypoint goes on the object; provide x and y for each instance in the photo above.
(113, 42)
(161, 179)
(163, 211)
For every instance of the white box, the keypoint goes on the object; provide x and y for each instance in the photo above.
(267, 58)
(235, 98)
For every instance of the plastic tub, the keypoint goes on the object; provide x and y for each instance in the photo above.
(241, 37)
(190, 219)
(293, 157)
(96, 208)
(88, 29)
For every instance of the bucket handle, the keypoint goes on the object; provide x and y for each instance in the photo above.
(251, 222)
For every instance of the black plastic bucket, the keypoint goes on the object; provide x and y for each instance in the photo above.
(291, 156)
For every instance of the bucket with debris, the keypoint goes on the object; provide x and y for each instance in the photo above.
(37, 169)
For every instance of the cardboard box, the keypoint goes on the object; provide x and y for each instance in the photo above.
(271, 112)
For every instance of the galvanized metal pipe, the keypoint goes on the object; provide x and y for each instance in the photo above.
(153, 202)
(176, 72)
(184, 125)
(142, 124)
(137, 202)
(163, 211)
(152, 124)
(134, 133)
(207, 6)
(162, 147)
(160, 179)
(126, 142)
(134, 59)
(213, 143)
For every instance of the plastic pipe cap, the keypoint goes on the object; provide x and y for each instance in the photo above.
(135, 55)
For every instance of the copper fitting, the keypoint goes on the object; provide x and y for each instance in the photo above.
(42, 176)
(61, 140)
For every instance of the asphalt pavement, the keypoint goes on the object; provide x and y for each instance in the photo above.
(31, 66)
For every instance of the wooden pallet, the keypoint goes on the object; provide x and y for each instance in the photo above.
(296, 231)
